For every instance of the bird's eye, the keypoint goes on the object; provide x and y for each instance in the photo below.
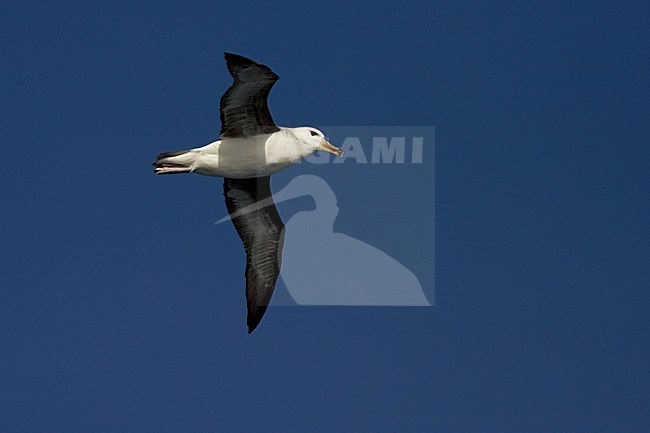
(313, 133)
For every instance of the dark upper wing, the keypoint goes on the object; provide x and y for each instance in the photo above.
(244, 110)
(262, 233)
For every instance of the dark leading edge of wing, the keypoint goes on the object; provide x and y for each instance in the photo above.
(262, 233)
(244, 109)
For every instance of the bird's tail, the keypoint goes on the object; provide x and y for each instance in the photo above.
(173, 162)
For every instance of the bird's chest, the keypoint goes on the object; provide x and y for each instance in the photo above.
(242, 159)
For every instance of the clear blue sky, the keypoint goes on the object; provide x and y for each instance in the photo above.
(122, 306)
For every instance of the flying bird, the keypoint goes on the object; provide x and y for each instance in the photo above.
(250, 149)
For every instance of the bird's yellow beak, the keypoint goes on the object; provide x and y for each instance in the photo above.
(328, 147)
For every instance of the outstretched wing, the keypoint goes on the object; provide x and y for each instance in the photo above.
(262, 232)
(244, 109)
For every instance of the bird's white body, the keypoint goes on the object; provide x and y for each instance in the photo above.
(244, 157)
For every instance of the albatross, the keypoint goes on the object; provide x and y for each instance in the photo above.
(251, 148)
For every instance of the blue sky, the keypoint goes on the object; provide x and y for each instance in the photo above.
(121, 303)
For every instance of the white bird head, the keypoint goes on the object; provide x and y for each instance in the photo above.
(315, 140)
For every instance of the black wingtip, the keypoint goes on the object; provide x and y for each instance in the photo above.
(253, 322)
(236, 58)
(255, 317)
(236, 63)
